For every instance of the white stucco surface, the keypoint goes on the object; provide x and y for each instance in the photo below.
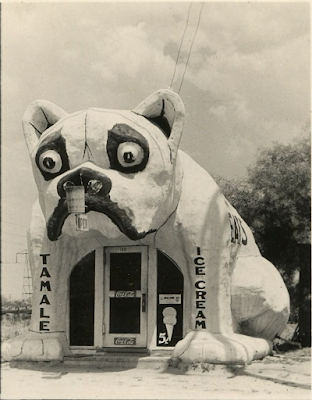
(235, 301)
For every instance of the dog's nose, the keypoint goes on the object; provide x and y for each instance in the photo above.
(93, 181)
(94, 186)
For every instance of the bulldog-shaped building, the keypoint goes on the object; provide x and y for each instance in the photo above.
(159, 259)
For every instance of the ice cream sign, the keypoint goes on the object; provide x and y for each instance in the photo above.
(200, 285)
(169, 320)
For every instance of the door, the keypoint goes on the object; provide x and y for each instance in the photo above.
(125, 297)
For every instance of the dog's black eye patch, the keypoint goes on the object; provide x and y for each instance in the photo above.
(51, 157)
(127, 149)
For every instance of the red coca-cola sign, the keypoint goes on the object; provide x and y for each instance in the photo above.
(124, 341)
(125, 293)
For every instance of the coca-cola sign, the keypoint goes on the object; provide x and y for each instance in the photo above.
(125, 293)
(124, 341)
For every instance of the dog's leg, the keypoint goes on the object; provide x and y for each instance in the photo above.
(211, 257)
(259, 298)
(45, 339)
(212, 338)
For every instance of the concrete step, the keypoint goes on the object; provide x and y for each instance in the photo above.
(118, 360)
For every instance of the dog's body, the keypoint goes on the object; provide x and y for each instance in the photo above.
(140, 189)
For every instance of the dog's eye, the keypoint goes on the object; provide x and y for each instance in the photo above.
(129, 154)
(50, 161)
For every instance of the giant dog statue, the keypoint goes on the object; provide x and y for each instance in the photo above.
(138, 184)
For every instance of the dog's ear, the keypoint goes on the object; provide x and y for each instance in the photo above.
(165, 109)
(38, 117)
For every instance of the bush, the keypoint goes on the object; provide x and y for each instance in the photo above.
(11, 327)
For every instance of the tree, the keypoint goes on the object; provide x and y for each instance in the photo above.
(14, 303)
(274, 200)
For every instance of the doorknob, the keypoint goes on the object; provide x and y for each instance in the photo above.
(144, 302)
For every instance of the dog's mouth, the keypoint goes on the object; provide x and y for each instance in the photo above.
(99, 204)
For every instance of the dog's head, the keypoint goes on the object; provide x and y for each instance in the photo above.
(126, 161)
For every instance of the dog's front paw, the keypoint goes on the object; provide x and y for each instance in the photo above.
(34, 346)
(201, 346)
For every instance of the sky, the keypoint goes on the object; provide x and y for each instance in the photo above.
(246, 85)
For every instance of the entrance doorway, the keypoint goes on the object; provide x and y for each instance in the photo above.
(170, 292)
(81, 302)
(125, 297)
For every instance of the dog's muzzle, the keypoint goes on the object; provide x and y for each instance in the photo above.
(97, 188)
(94, 182)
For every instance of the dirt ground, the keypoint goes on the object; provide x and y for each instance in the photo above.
(276, 377)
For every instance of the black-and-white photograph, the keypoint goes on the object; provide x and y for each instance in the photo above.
(155, 200)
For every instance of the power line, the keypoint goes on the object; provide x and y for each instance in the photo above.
(176, 63)
(198, 22)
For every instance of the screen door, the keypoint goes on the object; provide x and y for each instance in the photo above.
(125, 296)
